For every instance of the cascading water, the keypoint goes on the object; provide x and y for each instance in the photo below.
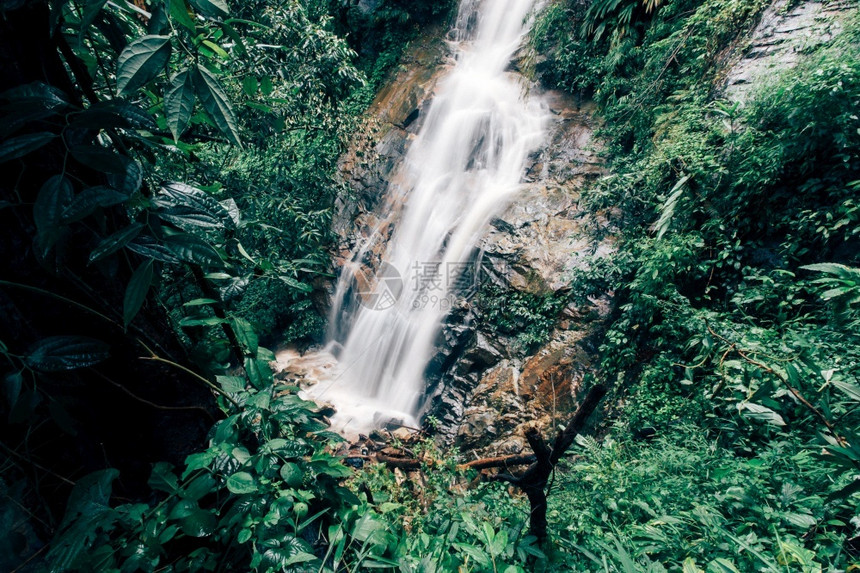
(462, 168)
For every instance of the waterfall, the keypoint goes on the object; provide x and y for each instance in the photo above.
(465, 163)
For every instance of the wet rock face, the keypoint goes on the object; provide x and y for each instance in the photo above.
(778, 41)
(487, 390)
(396, 114)
(482, 387)
(517, 393)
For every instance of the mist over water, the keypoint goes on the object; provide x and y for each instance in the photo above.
(463, 167)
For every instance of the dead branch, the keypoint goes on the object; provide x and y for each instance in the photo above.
(542, 463)
(534, 481)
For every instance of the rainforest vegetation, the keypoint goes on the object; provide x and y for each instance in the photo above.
(168, 178)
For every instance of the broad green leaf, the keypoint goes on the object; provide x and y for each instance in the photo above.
(837, 292)
(53, 199)
(175, 194)
(292, 474)
(266, 86)
(217, 49)
(330, 467)
(149, 247)
(179, 12)
(197, 461)
(199, 487)
(233, 211)
(129, 180)
(241, 483)
(87, 511)
(689, 566)
(231, 384)
(135, 292)
(212, 8)
(801, 520)
(475, 553)
(91, 199)
(234, 287)
(187, 218)
(20, 146)
(115, 242)
(12, 388)
(244, 253)
(159, 22)
(301, 557)
(499, 543)
(191, 249)
(205, 321)
(200, 302)
(91, 12)
(90, 494)
(140, 62)
(366, 527)
(722, 565)
(187, 206)
(163, 479)
(274, 445)
(101, 159)
(241, 454)
(489, 533)
(260, 107)
(850, 389)
(216, 104)
(19, 120)
(179, 102)
(33, 96)
(761, 413)
(183, 508)
(61, 353)
(115, 113)
(238, 42)
(292, 448)
(330, 436)
(388, 507)
(200, 523)
(169, 533)
(667, 211)
(260, 400)
(292, 551)
(259, 373)
(250, 85)
(23, 409)
(835, 269)
(293, 283)
(246, 335)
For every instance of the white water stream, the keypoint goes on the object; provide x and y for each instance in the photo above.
(466, 162)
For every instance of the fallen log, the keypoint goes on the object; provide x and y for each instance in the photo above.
(398, 462)
(499, 462)
(405, 463)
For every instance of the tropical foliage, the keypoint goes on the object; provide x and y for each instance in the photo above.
(166, 189)
(733, 341)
